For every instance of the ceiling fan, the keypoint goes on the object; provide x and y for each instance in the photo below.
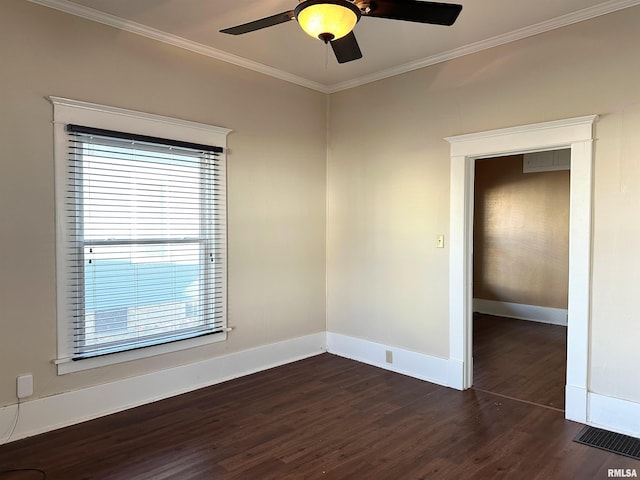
(332, 21)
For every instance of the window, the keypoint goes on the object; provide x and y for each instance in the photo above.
(141, 237)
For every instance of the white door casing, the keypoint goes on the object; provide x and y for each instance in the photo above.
(574, 133)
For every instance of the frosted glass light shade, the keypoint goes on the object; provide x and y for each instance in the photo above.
(327, 20)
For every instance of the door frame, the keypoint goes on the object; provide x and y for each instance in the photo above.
(576, 134)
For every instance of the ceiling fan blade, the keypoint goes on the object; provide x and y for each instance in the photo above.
(259, 24)
(415, 11)
(346, 48)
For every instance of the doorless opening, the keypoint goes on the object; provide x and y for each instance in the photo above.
(574, 133)
(521, 276)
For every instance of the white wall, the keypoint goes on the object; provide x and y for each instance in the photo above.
(389, 178)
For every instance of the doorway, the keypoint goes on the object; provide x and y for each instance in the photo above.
(576, 134)
(520, 276)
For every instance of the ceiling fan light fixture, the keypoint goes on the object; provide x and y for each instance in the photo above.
(327, 19)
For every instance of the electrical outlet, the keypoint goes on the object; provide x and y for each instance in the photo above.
(389, 356)
(24, 386)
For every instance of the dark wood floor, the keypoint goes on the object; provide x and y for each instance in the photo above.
(520, 359)
(325, 417)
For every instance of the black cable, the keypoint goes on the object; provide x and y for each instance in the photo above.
(16, 470)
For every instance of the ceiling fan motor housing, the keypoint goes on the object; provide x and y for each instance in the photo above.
(327, 19)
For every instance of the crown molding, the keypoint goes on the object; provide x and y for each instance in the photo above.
(155, 34)
(558, 22)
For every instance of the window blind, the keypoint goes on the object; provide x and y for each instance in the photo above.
(146, 241)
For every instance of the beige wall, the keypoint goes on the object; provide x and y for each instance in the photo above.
(388, 184)
(276, 177)
(520, 234)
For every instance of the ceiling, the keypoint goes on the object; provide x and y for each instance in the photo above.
(389, 47)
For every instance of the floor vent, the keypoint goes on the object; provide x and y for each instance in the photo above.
(609, 441)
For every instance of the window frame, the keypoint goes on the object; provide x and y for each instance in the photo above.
(67, 111)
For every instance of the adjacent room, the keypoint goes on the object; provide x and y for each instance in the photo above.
(234, 246)
(521, 276)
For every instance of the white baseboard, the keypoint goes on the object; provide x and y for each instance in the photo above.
(456, 374)
(49, 413)
(534, 313)
(57, 411)
(7, 419)
(575, 404)
(417, 365)
(614, 414)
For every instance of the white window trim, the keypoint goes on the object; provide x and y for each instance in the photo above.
(66, 111)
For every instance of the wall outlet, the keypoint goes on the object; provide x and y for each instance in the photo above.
(389, 354)
(24, 386)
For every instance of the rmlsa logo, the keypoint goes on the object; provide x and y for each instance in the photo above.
(622, 473)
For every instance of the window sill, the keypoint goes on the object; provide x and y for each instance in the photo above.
(70, 366)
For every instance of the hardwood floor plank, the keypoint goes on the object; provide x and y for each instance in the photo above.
(325, 417)
(520, 359)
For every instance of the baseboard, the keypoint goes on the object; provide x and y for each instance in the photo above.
(575, 403)
(534, 313)
(57, 411)
(456, 374)
(614, 414)
(417, 365)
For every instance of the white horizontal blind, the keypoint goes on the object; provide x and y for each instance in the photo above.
(146, 254)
